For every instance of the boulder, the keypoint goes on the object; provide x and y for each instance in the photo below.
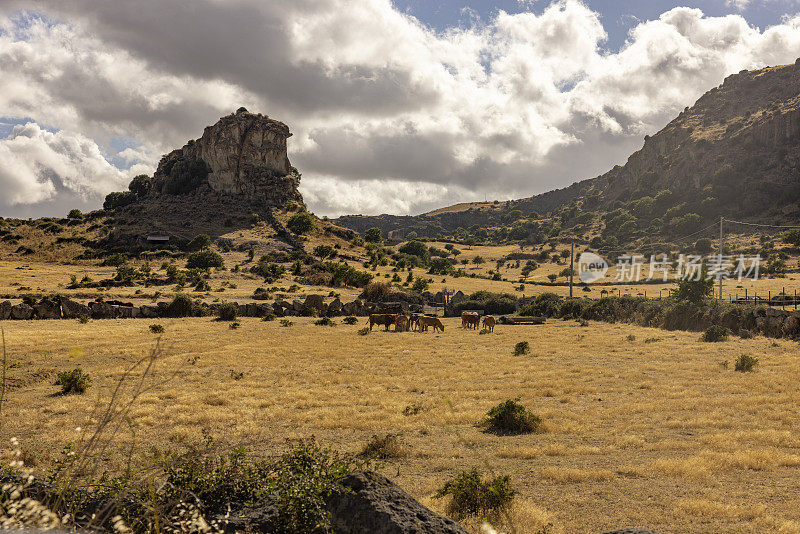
(297, 308)
(123, 312)
(353, 308)
(136, 313)
(47, 309)
(252, 310)
(149, 312)
(21, 312)
(376, 505)
(73, 310)
(335, 307)
(791, 326)
(5, 310)
(314, 304)
(264, 308)
(102, 310)
(241, 310)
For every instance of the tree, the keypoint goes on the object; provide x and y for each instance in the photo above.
(552, 277)
(695, 290)
(477, 260)
(373, 235)
(199, 242)
(412, 235)
(301, 223)
(205, 259)
(75, 214)
(415, 248)
(118, 199)
(703, 245)
(324, 251)
(140, 185)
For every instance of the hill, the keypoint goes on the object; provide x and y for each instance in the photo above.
(734, 152)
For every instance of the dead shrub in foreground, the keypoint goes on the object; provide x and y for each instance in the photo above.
(383, 448)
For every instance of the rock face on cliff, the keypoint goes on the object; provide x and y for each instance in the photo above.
(236, 174)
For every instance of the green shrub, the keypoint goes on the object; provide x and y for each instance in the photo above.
(269, 317)
(204, 259)
(694, 291)
(472, 496)
(140, 185)
(350, 320)
(181, 306)
(364, 331)
(118, 199)
(715, 333)
(490, 303)
(301, 223)
(420, 284)
(184, 175)
(228, 311)
(156, 329)
(286, 322)
(510, 417)
(383, 448)
(745, 363)
(523, 347)
(373, 235)
(75, 214)
(199, 242)
(234, 325)
(75, 381)
(325, 321)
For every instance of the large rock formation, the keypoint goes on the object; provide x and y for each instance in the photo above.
(243, 154)
(235, 175)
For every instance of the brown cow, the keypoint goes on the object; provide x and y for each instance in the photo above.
(401, 324)
(470, 320)
(489, 322)
(413, 321)
(425, 322)
(385, 319)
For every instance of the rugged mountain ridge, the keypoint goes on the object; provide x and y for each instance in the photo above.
(735, 150)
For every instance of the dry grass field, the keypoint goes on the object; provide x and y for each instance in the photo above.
(642, 427)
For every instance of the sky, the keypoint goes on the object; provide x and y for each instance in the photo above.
(396, 106)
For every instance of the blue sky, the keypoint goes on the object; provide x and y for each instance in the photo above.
(618, 16)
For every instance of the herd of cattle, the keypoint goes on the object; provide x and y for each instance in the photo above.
(421, 322)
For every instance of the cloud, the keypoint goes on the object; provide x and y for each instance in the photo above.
(388, 115)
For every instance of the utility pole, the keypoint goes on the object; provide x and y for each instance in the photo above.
(571, 267)
(720, 257)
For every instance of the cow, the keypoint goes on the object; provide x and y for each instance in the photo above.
(425, 322)
(401, 323)
(489, 322)
(413, 321)
(470, 320)
(385, 319)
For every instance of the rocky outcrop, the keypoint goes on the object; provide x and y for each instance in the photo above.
(5, 310)
(73, 310)
(22, 312)
(370, 503)
(377, 505)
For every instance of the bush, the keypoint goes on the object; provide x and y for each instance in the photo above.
(181, 306)
(75, 214)
(383, 448)
(270, 271)
(184, 175)
(420, 284)
(510, 417)
(441, 266)
(745, 363)
(269, 317)
(204, 259)
(325, 321)
(228, 311)
(350, 320)
(324, 251)
(286, 322)
(364, 331)
(75, 381)
(490, 303)
(471, 496)
(301, 223)
(199, 242)
(523, 347)
(118, 199)
(715, 333)
(373, 235)
(140, 185)
(156, 329)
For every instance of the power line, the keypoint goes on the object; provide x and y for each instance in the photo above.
(761, 225)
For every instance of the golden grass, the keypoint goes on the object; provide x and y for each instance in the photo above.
(612, 454)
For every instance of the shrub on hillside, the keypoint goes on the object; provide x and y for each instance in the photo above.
(350, 320)
(510, 417)
(181, 306)
(301, 223)
(118, 199)
(715, 333)
(490, 303)
(204, 259)
(745, 363)
(694, 290)
(156, 329)
(523, 347)
(199, 242)
(472, 496)
(383, 448)
(73, 382)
